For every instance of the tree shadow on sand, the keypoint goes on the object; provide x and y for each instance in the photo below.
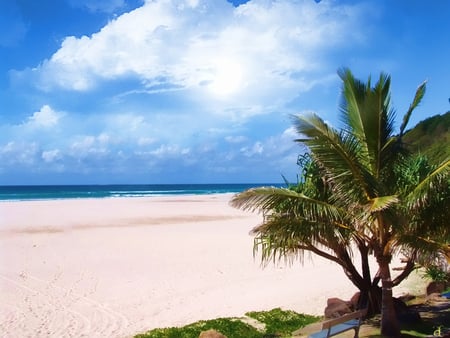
(434, 320)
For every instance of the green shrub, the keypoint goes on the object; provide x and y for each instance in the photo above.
(282, 322)
(230, 327)
(436, 274)
(278, 323)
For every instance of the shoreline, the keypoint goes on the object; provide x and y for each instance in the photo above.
(153, 196)
(57, 192)
(117, 267)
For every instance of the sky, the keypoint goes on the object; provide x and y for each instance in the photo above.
(197, 91)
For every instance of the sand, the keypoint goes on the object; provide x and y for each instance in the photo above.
(117, 267)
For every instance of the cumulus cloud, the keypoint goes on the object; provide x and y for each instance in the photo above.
(46, 117)
(19, 153)
(88, 145)
(236, 55)
(50, 155)
(178, 83)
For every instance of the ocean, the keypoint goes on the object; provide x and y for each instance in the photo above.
(51, 192)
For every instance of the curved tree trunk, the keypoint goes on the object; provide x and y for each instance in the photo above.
(389, 321)
(370, 292)
(371, 299)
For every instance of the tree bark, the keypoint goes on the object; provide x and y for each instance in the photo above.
(408, 268)
(389, 321)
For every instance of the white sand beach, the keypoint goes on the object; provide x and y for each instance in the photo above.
(119, 266)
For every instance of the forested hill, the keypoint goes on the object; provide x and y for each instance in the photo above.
(431, 137)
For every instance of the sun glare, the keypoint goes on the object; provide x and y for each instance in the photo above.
(227, 78)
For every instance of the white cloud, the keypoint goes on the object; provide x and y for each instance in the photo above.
(144, 141)
(290, 133)
(46, 117)
(19, 153)
(126, 121)
(51, 155)
(236, 139)
(256, 55)
(89, 146)
(166, 150)
(256, 149)
(104, 138)
(195, 72)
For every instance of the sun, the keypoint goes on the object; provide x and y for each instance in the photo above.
(227, 78)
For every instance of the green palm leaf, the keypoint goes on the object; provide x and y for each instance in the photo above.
(382, 203)
(420, 92)
(427, 189)
(367, 115)
(339, 153)
(360, 191)
(290, 202)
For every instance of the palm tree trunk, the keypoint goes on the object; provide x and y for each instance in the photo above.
(389, 322)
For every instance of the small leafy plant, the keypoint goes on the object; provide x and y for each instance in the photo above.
(282, 322)
(278, 323)
(436, 274)
(230, 327)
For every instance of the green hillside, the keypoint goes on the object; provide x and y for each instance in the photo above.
(431, 137)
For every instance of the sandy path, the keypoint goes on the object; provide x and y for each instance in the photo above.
(116, 267)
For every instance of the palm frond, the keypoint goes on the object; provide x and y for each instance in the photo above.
(282, 236)
(269, 199)
(429, 187)
(368, 117)
(420, 92)
(382, 203)
(426, 248)
(351, 107)
(339, 153)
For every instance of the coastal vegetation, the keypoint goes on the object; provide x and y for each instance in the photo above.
(361, 193)
(430, 137)
(273, 323)
(283, 323)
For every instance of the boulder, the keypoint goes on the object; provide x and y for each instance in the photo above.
(354, 301)
(435, 287)
(336, 308)
(436, 298)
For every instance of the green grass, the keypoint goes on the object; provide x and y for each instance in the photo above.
(278, 323)
(282, 322)
(230, 327)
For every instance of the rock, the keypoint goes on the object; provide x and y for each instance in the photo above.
(436, 298)
(211, 334)
(355, 301)
(335, 300)
(435, 287)
(336, 308)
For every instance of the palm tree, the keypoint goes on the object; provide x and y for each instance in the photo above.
(360, 193)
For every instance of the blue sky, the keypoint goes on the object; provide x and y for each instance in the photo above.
(196, 91)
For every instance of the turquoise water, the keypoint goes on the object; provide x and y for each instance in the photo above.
(45, 192)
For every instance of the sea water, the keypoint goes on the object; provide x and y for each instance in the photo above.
(46, 192)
